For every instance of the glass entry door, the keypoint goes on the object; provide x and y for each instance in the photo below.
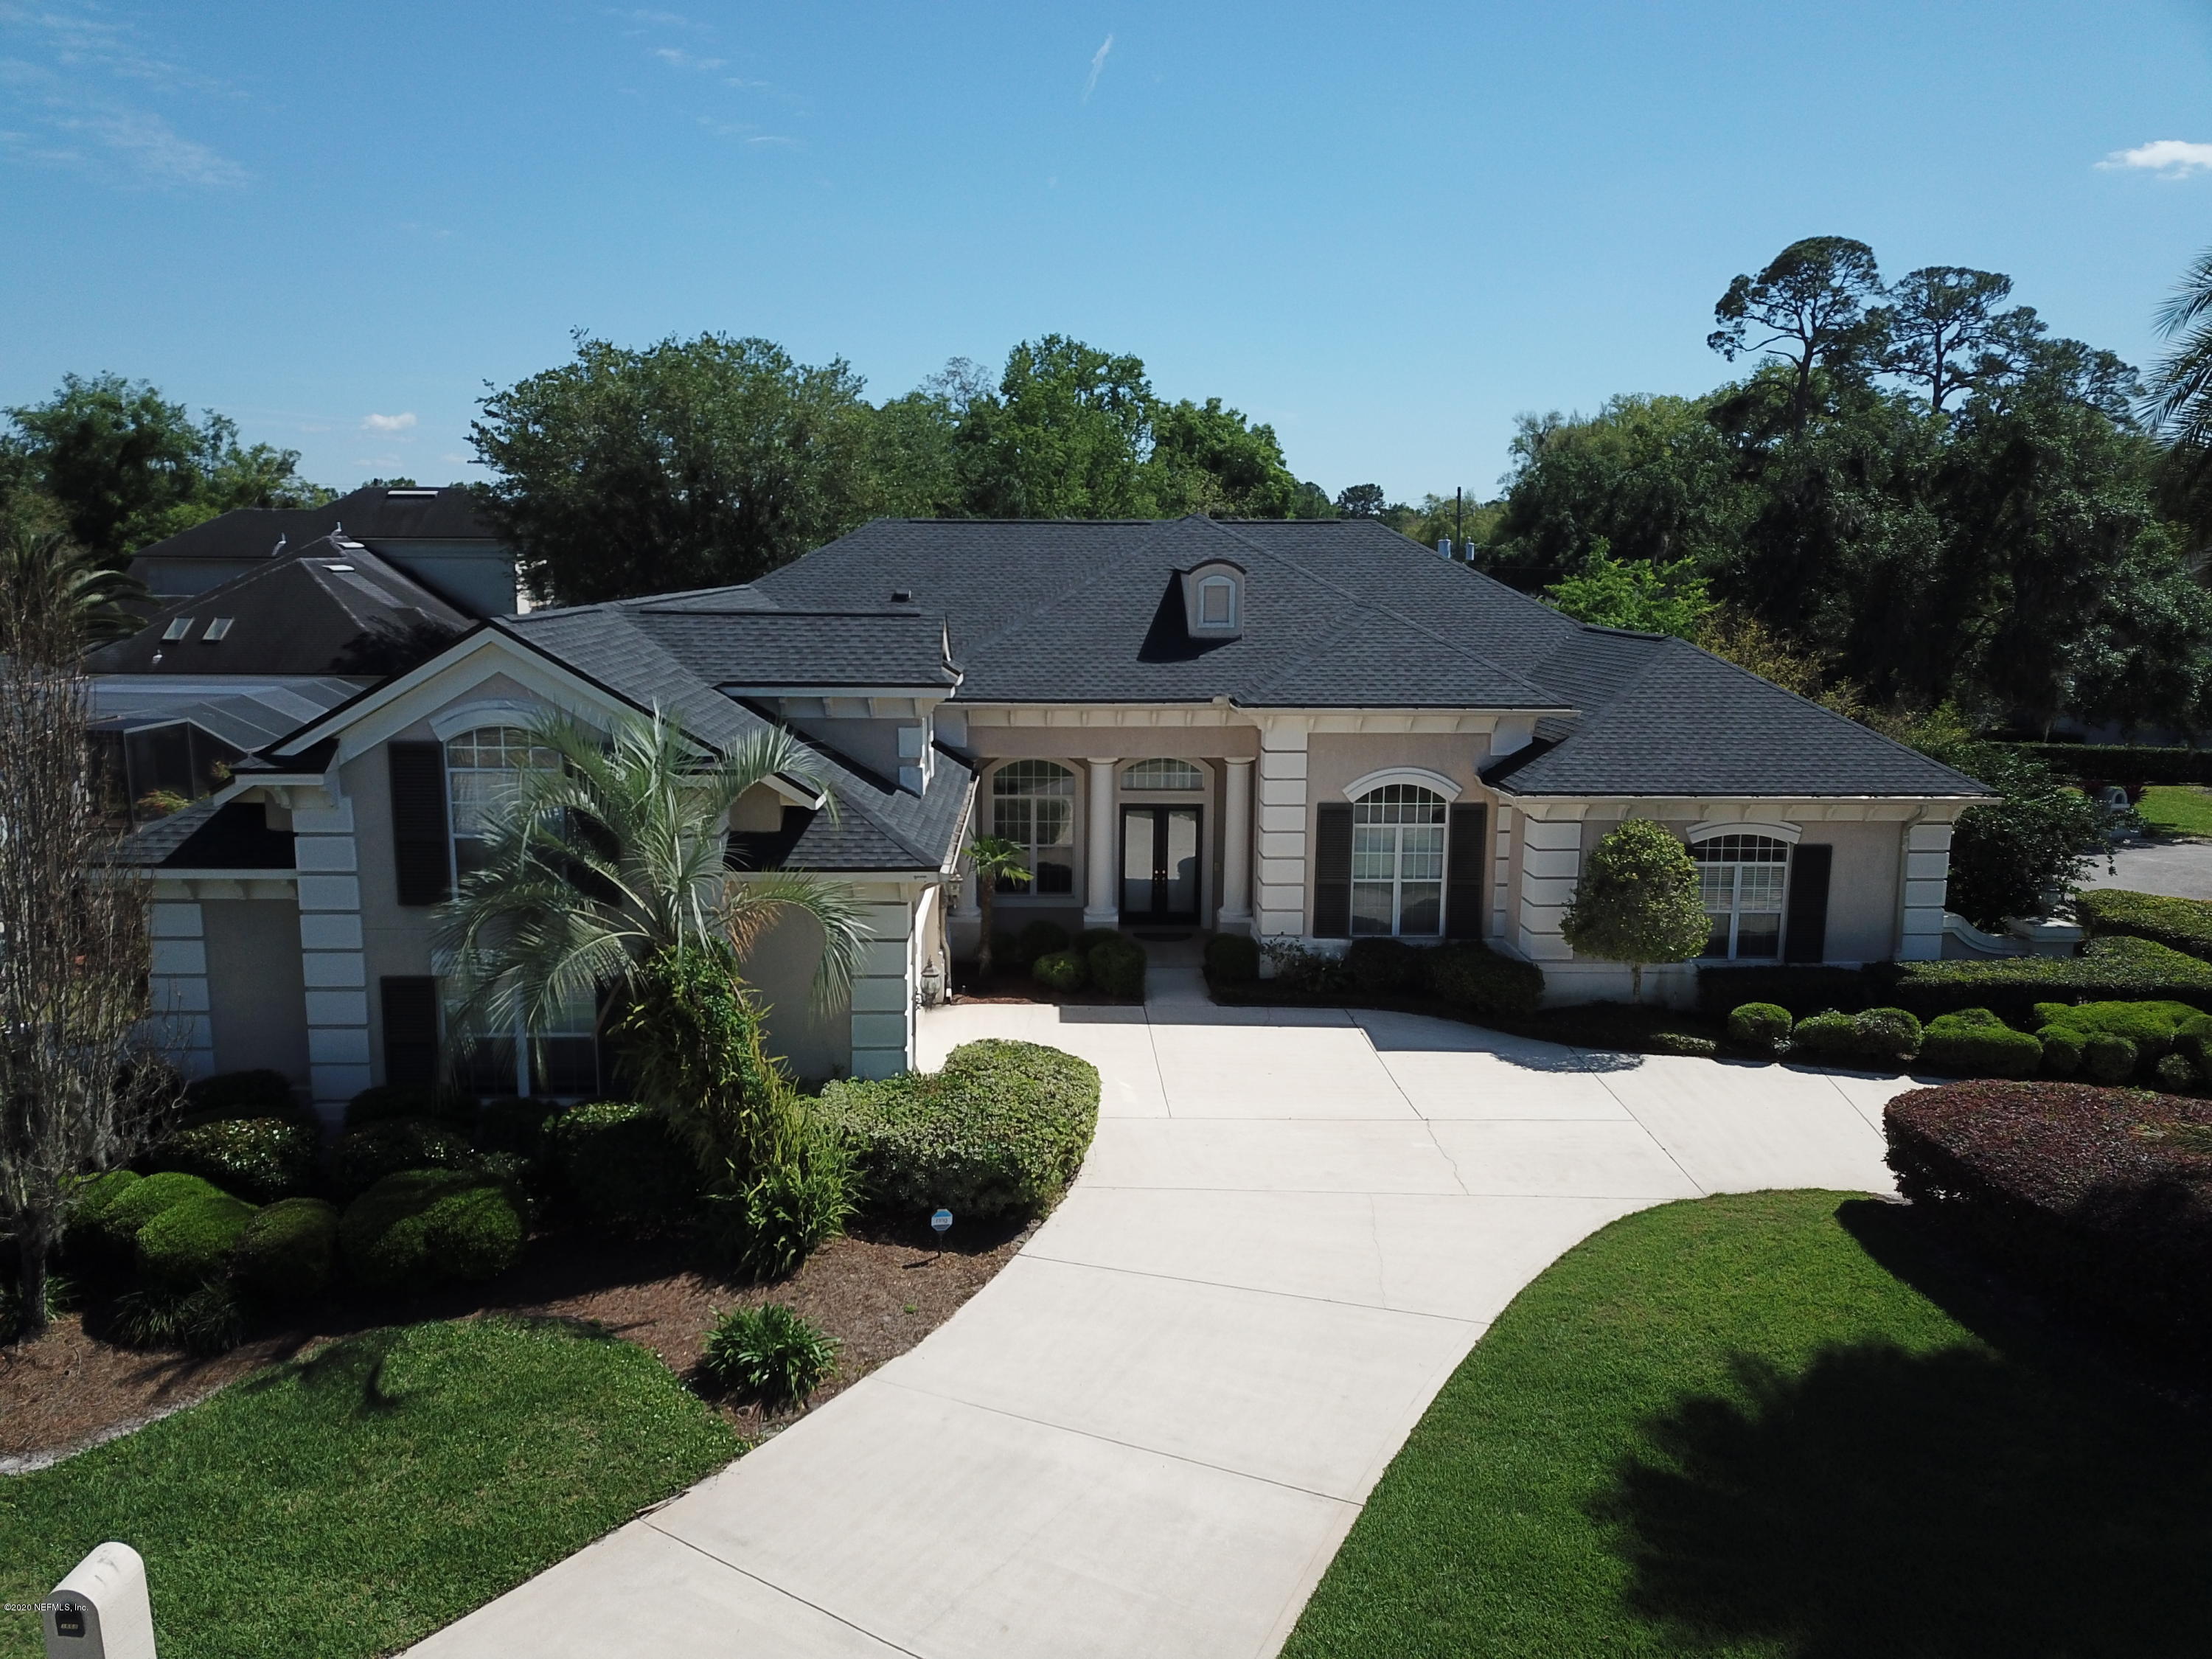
(1159, 864)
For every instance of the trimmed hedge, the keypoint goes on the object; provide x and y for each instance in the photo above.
(90, 1199)
(261, 1158)
(2107, 969)
(1040, 939)
(390, 1102)
(1802, 991)
(1000, 1132)
(112, 1231)
(1890, 1036)
(626, 1172)
(422, 1227)
(1828, 1035)
(285, 1254)
(1382, 967)
(1975, 1043)
(189, 1243)
(2122, 762)
(362, 1158)
(2179, 923)
(2102, 1197)
(1116, 966)
(1232, 959)
(243, 1095)
(1059, 971)
(1760, 1028)
(1471, 976)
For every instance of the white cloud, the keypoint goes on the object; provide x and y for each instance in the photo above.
(676, 58)
(154, 150)
(387, 422)
(2173, 158)
(81, 88)
(1097, 62)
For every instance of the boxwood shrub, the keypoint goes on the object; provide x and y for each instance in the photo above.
(1975, 1043)
(261, 1158)
(1760, 1028)
(388, 1102)
(2100, 1196)
(618, 1162)
(1000, 1132)
(1887, 1036)
(2153, 1027)
(1040, 939)
(2108, 1059)
(189, 1243)
(2181, 924)
(285, 1253)
(110, 1232)
(1471, 976)
(1829, 1035)
(91, 1197)
(1232, 959)
(1116, 966)
(1059, 971)
(2107, 969)
(420, 1228)
(243, 1095)
(362, 1158)
(1382, 967)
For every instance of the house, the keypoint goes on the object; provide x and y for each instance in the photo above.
(1313, 730)
(437, 536)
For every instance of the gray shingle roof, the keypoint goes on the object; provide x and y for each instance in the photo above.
(372, 513)
(745, 646)
(206, 837)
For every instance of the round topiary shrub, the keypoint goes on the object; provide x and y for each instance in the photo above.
(1382, 967)
(1889, 1036)
(1059, 971)
(1039, 939)
(2176, 1075)
(261, 1158)
(626, 1173)
(1232, 959)
(2106, 1058)
(287, 1252)
(389, 1102)
(421, 1228)
(111, 1232)
(1975, 1043)
(189, 1243)
(2061, 1050)
(362, 1158)
(1117, 968)
(1826, 1036)
(1760, 1028)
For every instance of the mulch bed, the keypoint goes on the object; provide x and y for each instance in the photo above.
(879, 1291)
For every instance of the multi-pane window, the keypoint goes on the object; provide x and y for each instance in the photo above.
(1398, 861)
(1163, 775)
(558, 1055)
(1742, 880)
(1033, 806)
(481, 769)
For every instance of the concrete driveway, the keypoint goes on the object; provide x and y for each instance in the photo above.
(2178, 869)
(1150, 1433)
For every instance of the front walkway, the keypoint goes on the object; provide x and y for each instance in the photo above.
(1149, 1434)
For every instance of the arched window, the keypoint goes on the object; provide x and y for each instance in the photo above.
(1742, 879)
(480, 773)
(1398, 861)
(1162, 774)
(1033, 806)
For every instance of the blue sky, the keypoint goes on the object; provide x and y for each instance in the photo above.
(1387, 230)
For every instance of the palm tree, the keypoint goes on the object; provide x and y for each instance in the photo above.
(611, 855)
(2180, 400)
(995, 859)
(43, 572)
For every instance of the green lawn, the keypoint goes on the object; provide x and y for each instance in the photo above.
(1762, 1425)
(351, 1502)
(2178, 809)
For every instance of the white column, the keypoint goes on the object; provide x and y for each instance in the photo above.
(1235, 847)
(1102, 850)
(1282, 829)
(1927, 860)
(177, 987)
(331, 959)
(1551, 866)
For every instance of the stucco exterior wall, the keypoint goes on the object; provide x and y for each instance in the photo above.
(256, 996)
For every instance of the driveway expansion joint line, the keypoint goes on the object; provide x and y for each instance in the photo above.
(1698, 1186)
(1127, 1445)
(774, 1588)
(1254, 1290)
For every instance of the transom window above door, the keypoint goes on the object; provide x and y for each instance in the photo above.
(480, 767)
(1162, 774)
(1398, 861)
(1033, 806)
(1742, 880)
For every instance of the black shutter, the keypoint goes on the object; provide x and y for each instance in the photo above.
(1331, 899)
(1805, 937)
(421, 860)
(410, 1029)
(1466, 862)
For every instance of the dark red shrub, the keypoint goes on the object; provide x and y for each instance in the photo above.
(2102, 1197)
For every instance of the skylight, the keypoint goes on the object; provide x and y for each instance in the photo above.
(177, 628)
(217, 628)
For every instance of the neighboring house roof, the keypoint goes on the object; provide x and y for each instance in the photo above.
(742, 646)
(246, 718)
(206, 837)
(330, 607)
(372, 514)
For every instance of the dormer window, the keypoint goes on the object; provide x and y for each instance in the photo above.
(1213, 600)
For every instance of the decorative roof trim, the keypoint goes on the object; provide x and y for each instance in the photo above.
(1773, 830)
(1420, 776)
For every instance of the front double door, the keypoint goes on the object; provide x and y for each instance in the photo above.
(1160, 863)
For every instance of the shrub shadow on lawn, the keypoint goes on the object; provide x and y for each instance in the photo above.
(2019, 1498)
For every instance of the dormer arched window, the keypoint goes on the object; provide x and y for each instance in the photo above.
(1213, 600)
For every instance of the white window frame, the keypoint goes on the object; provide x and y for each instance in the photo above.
(1031, 849)
(1735, 909)
(1397, 880)
(453, 835)
(1126, 777)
